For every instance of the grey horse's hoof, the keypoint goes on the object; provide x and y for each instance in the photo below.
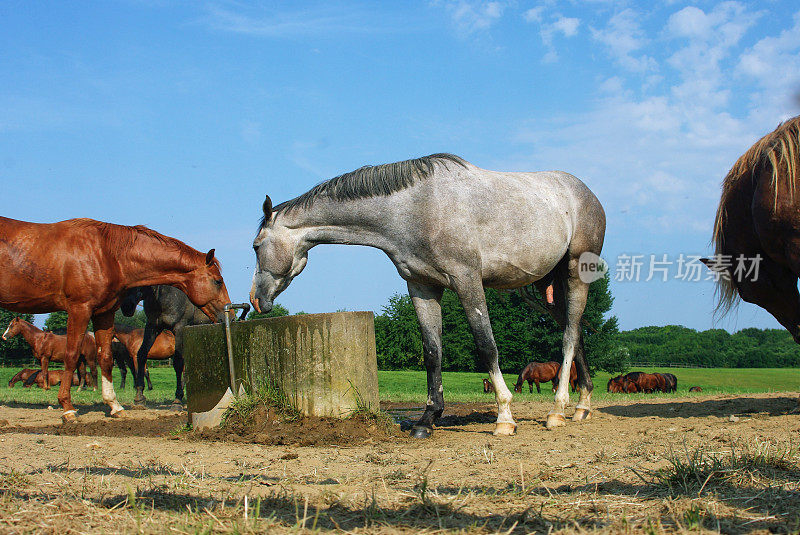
(581, 414)
(419, 431)
(505, 429)
(555, 419)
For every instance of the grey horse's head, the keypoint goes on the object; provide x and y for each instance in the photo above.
(278, 259)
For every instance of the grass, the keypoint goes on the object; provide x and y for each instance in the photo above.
(410, 386)
(460, 386)
(163, 379)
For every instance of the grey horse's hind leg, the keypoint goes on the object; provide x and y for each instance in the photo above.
(426, 301)
(576, 295)
(473, 299)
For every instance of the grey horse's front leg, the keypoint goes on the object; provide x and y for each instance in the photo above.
(426, 301)
(473, 299)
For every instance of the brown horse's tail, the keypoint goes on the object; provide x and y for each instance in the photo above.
(777, 151)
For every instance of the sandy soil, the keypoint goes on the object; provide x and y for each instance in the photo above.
(583, 476)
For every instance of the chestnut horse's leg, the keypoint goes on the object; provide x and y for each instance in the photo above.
(538, 388)
(147, 377)
(103, 334)
(46, 373)
(77, 321)
(426, 301)
(82, 377)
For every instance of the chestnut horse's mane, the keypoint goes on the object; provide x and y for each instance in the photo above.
(777, 151)
(121, 237)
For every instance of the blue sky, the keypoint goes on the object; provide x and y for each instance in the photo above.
(182, 115)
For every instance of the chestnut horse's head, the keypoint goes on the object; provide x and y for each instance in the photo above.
(206, 289)
(13, 329)
(278, 258)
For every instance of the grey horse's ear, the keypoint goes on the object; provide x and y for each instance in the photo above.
(210, 257)
(267, 207)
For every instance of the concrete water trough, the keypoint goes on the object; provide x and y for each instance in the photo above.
(325, 364)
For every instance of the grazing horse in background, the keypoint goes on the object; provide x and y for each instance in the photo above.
(84, 267)
(487, 386)
(162, 349)
(672, 382)
(535, 373)
(21, 375)
(509, 230)
(695, 389)
(49, 347)
(573, 378)
(166, 309)
(614, 384)
(53, 378)
(757, 228)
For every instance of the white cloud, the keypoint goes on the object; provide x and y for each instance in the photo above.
(566, 26)
(471, 16)
(624, 37)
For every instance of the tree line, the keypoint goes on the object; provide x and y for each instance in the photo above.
(524, 334)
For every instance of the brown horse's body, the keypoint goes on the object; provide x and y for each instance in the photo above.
(758, 221)
(21, 375)
(543, 372)
(695, 389)
(49, 347)
(84, 267)
(53, 378)
(162, 349)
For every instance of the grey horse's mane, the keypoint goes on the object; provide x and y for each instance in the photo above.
(371, 181)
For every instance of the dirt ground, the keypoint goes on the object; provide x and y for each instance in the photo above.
(143, 474)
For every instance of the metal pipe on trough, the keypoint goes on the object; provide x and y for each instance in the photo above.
(245, 307)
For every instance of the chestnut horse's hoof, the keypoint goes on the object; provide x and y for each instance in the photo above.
(69, 417)
(504, 429)
(581, 414)
(555, 419)
(419, 431)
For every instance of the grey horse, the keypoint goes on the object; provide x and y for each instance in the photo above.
(446, 223)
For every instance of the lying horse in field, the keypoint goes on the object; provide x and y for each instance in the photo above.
(21, 375)
(49, 347)
(487, 386)
(131, 339)
(168, 310)
(53, 378)
(695, 389)
(84, 267)
(510, 230)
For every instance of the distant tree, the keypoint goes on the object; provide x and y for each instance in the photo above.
(56, 322)
(137, 321)
(17, 348)
(278, 310)
(522, 334)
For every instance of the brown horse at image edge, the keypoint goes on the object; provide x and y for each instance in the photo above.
(84, 267)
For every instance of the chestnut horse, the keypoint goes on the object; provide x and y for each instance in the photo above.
(487, 386)
(757, 228)
(21, 375)
(543, 372)
(49, 347)
(84, 267)
(162, 349)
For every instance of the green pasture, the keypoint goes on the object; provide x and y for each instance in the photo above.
(410, 385)
(458, 386)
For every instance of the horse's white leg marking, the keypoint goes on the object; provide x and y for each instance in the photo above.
(109, 396)
(503, 397)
